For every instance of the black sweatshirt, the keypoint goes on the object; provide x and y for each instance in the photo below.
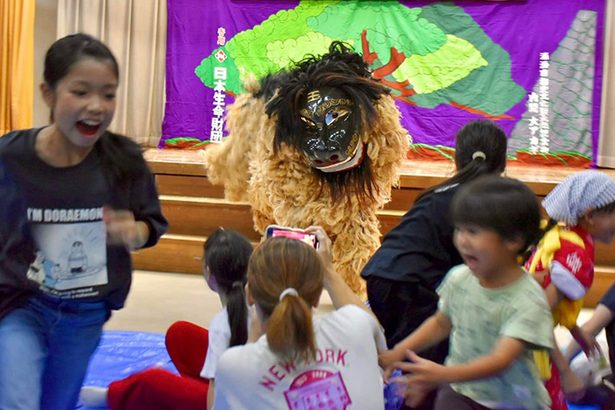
(64, 211)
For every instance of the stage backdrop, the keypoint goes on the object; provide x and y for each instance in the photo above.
(535, 67)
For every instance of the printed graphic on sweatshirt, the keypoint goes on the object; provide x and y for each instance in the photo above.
(318, 389)
(71, 253)
(315, 388)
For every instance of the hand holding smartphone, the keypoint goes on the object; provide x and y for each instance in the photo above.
(293, 233)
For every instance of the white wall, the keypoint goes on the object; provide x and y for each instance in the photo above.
(45, 27)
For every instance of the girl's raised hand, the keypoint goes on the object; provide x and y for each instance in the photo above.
(324, 244)
(122, 229)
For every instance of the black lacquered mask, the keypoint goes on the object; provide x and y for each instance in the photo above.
(329, 134)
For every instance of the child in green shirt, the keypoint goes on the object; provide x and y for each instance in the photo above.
(493, 311)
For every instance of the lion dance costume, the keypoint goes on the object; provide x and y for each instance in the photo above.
(319, 144)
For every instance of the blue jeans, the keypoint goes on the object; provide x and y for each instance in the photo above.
(45, 348)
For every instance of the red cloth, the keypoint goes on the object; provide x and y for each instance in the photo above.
(577, 260)
(553, 385)
(580, 262)
(158, 389)
(187, 345)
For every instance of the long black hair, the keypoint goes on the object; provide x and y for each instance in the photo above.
(476, 138)
(227, 253)
(121, 157)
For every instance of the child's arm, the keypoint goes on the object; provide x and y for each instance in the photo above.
(602, 316)
(554, 295)
(586, 340)
(432, 331)
(572, 385)
(338, 290)
(210, 395)
(505, 352)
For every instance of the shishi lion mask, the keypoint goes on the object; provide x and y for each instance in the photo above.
(330, 139)
(324, 108)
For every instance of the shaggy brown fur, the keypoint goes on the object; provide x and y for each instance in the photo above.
(283, 189)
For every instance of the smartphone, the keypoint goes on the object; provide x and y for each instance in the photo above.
(294, 233)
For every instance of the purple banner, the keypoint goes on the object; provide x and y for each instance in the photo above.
(535, 67)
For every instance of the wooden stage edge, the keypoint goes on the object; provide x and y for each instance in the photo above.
(413, 174)
(194, 207)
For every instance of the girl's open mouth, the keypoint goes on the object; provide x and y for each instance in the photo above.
(87, 129)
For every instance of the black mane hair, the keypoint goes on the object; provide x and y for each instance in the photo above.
(271, 83)
(340, 68)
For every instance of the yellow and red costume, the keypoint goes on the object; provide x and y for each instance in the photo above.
(564, 257)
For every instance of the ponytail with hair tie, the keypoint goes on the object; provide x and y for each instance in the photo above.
(480, 149)
(288, 291)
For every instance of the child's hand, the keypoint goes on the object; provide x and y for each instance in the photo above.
(388, 359)
(324, 250)
(413, 393)
(423, 371)
(324, 245)
(588, 343)
(122, 229)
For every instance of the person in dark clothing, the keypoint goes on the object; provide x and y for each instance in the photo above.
(16, 246)
(89, 200)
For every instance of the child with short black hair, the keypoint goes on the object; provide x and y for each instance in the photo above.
(493, 311)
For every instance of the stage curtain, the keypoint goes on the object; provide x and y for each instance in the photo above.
(16, 64)
(606, 147)
(135, 30)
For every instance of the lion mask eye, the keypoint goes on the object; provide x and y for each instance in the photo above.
(309, 123)
(334, 115)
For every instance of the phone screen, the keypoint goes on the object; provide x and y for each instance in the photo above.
(308, 238)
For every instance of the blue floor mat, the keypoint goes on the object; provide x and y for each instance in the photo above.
(122, 353)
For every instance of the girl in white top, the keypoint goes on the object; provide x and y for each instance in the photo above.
(226, 259)
(225, 273)
(301, 361)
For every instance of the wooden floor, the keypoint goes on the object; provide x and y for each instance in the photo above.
(194, 207)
